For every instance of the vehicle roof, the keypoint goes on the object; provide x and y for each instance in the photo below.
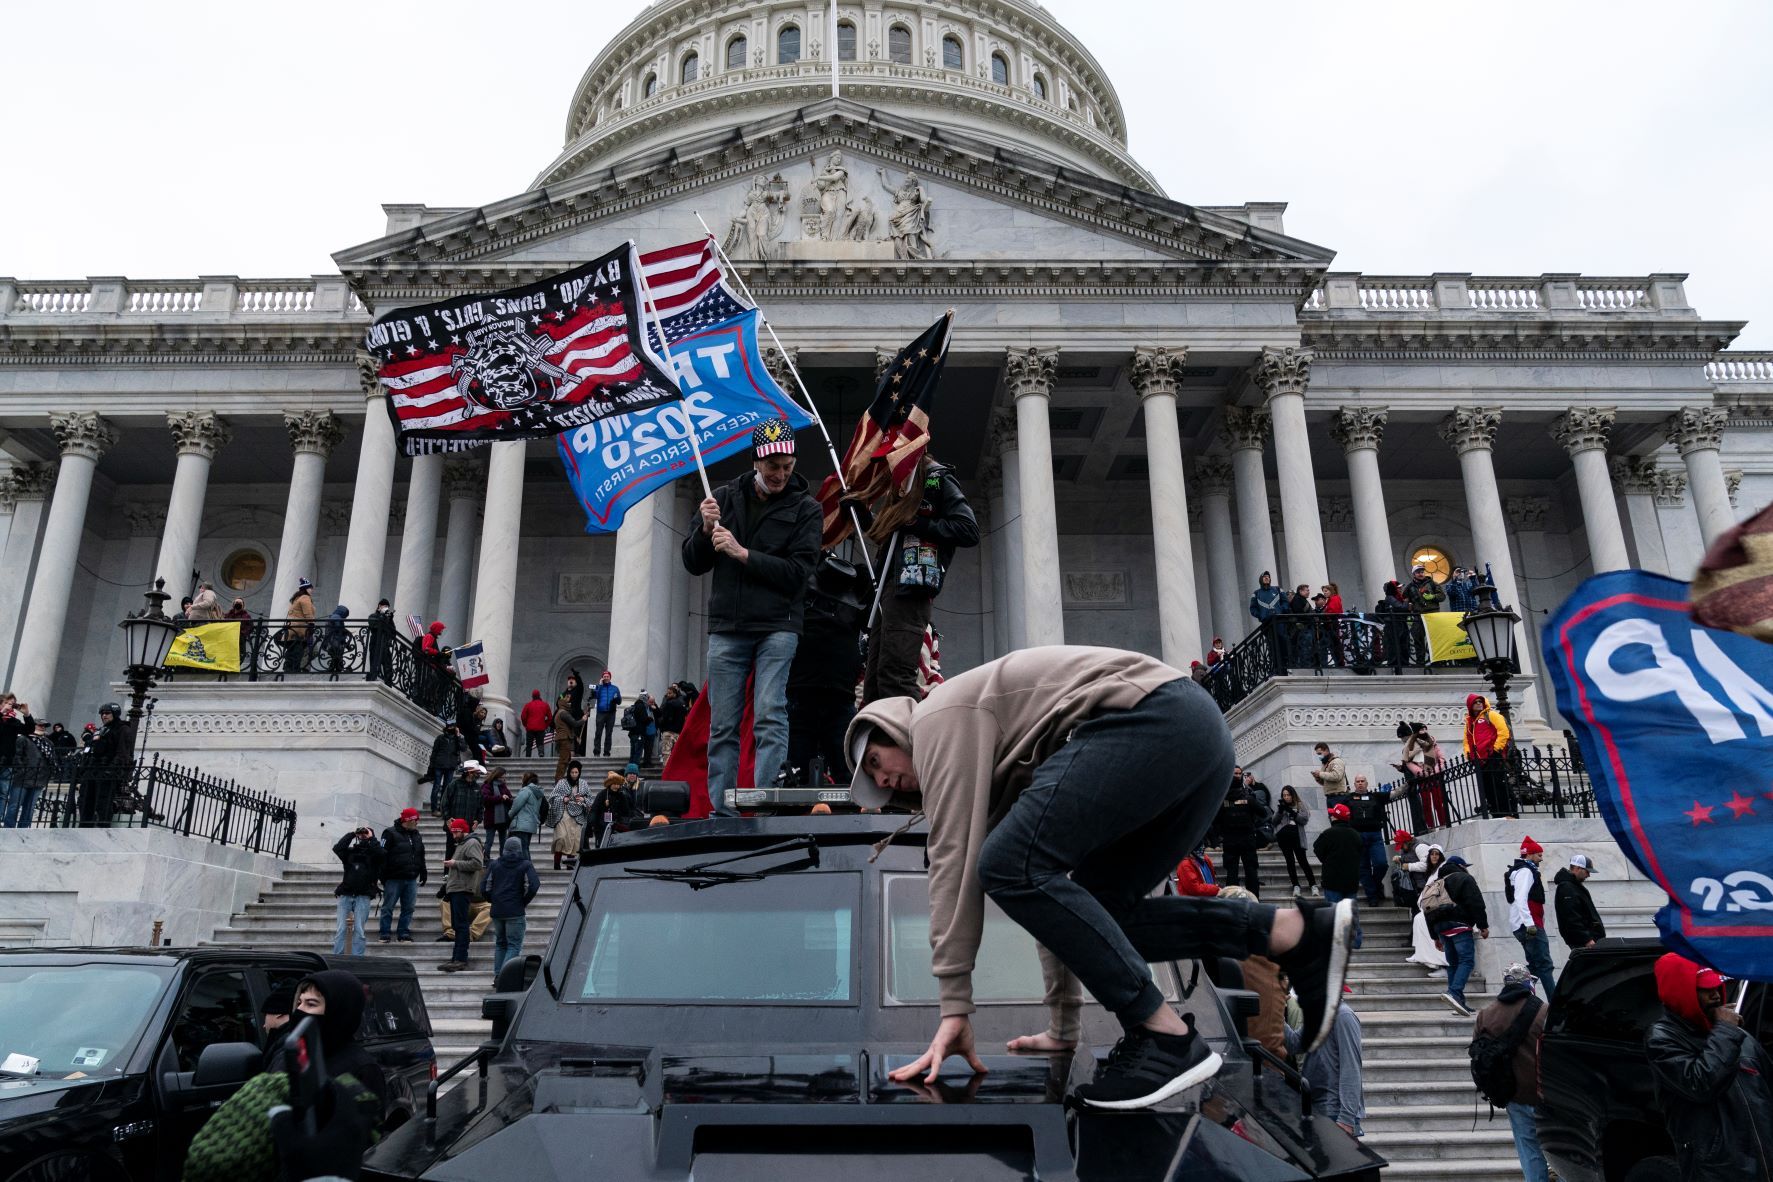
(728, 832)
(232, 953)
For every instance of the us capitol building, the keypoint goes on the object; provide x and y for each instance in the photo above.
(1148, 403)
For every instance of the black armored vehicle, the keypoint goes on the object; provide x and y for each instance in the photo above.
(724, 1000)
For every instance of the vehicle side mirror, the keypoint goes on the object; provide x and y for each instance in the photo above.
(499, 1009)
(517, 975)
(227, 1064)
(1244, 1004)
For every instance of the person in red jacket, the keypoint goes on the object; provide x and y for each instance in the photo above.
(537, 717)
(431, 643)
(1194, 876)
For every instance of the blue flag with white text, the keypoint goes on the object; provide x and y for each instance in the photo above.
(616, 463)
(1675, 721)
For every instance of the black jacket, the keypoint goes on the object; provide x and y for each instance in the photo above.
(510, 884)
(1578, 920)
(1339, 851)
(767, 592)
(943, 517)
(363, 865)
(1468, 902)
(1716, 1094)
(1238, 817)
(13, 727)
(447, 752)
(623, 809)
(403, 854)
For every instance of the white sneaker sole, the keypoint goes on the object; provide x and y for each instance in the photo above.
(1342, 943)
(1198, 1074)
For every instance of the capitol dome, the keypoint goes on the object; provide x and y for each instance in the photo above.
(1003, 71)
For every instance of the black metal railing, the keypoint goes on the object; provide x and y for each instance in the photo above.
(1356, 642)
(282, 650)
(76, 792)
(1546, 781)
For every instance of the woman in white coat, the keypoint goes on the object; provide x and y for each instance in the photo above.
(1429, 860)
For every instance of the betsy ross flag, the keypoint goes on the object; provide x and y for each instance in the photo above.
(518, 364)
(895, 433)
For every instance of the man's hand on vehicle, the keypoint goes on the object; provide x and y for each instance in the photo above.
(953, 1037)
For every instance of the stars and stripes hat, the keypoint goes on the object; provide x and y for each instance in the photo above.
(772, 437)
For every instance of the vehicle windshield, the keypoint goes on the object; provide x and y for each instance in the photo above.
(782, 940)
(74, 1021)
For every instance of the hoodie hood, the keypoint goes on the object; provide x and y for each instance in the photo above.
(1514, 991)
(436, 628)
(340, 612)
(535, 695)
(1479, 699)
(345, 998)
(1563, 876)
(893, 717)
(512, 854)
(1677, 984)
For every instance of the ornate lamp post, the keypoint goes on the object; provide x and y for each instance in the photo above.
(1491, 632)
(149, 634)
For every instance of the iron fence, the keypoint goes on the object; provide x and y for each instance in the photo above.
(74, 792)
(330, 649)
(1545, 781)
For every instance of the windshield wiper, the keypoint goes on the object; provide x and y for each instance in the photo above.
(707, 874)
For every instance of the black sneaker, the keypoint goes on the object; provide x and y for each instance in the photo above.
(1318, 966)
(1145, 1067)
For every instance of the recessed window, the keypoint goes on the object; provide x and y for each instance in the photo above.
(846, 41)
(788, 46)
(899, 45)
(244, 570)
(1040, 88)
(651, 86)
(1435, 560)
(692, 66)
(1000, 69)
(736, 49)
(1070, 103)
(954, 55)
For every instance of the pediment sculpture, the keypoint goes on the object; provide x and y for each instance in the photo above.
(835, 220)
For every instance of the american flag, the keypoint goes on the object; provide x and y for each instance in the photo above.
(531, 361)
(689, 290)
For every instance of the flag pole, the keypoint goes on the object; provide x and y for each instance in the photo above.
(652, 309)
(811, 406)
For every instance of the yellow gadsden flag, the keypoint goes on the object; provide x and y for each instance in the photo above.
(215, 647)
(1447, 641)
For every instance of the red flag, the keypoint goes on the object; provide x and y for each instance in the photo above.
(689, 757)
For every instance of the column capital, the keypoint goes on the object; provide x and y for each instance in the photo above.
(882, 359)
(316, 431)
(1359, 427)
(1733, 484)
(1157, 369)
(1528, 512)
(1214, 476)
(463, 480)
(1002, 432)
(83, 433)
(777, 362)
(1635, 475)
(1695, 428)
(145, 521)
(1284, 370)
(1471, 428)
(1030, 372)
(369, 374)
(199, 432)
(1671, 488)
(27, 482)
(1245, 427)
(1584, 428)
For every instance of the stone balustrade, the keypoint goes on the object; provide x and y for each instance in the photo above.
(1729, 368)
(321, 296)
(1558, 294)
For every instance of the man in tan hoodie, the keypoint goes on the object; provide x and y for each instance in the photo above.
(1067, 783)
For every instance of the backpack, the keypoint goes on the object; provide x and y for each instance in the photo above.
(1492, 1058)
(628, 719)
(1434, 897)
(544, 812)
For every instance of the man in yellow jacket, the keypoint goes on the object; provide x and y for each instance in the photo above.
(1066, 783)
(1486, 744)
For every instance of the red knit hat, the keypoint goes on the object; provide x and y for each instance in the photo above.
(1529, 846)
(459, 825)
(1402, 837)
(409, 814)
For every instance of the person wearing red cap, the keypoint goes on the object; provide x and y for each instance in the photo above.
(1713, 1081)
(1405, 852)
(1340, 851)
(465, 868)
(1526, 911)
(1486, 744)
(403, 872)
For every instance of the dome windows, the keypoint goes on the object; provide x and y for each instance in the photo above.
(650, 87)
(788, 45)
(1000, 69)
(691, 68)
(736, 52)
(954, 56)
(899, 45)
(846, 41)
(1040, 88)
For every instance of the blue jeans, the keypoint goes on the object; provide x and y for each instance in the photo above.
(1523, 1120)
(507, 941)
(461, 913)
(1538, 952)
(402, 891)
(1374, 866)
(439, 781)
(732, 657)
(348, 905)
(1103, 822)
(18, 800)
(1461, 959)
(1334, 897)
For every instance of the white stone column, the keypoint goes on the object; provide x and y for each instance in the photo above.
(366, 545)
(465, 483)
(1230, 618)
(1245, 432)
(26, 488)
(312, 435)
(1029, 374)
(1636, 478)
(495, 586)
(1283, 374)
(1583, 432)
(418, 539)
(633, 590)
(1698, 434)
(1471, 430)
(199, 435)
(83, 437)
(1359, 429)
(672, 526)
(1156, 373)
(1007, 512)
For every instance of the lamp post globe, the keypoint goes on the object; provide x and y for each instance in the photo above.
(148, 635)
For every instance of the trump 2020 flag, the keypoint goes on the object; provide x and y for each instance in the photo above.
(1675, 721)
(614, 464)
(523, 363)
(470, 663)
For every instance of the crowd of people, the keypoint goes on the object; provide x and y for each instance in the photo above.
(94, 765)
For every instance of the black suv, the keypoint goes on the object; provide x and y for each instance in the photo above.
(118, 1055)
(1600, 1122)
(727, 997)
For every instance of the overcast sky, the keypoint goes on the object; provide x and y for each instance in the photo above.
(160, 140)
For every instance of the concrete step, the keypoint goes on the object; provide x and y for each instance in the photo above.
(1442, 1144)
(1416, 1091)
(1486, 1169)
(1410, 1118)
(1437, 1052)
(1420, 1003)
(1440, 1023)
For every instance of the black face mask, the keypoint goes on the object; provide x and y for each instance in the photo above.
(1324, 758)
